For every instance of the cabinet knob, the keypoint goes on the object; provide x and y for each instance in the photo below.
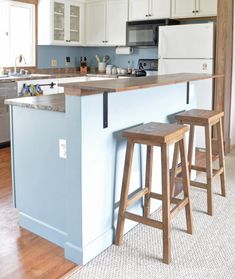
(196, 11)
(150, 15)
(147, 15)
(193, 12)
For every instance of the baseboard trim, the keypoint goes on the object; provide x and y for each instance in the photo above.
(42, 229)
(83, 255)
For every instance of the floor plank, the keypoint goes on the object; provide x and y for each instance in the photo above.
(24, 255)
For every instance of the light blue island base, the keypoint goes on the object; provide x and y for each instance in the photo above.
(73, 202)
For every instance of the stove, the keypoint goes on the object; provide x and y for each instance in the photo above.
(147, 67)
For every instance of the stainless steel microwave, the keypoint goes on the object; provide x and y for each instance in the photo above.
(145, 33)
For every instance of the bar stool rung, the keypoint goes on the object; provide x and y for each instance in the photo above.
(198, 184)
(178, 207)
(159, 197)
(137, 196)
(144, 220)
(217, 172)
(155, 196)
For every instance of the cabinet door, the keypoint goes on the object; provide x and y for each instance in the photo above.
(183, 8)
(75, 23)
(159, 9)
(206, 7)
(116, 18)
(138, 9)
(59, 24)
(95, 22)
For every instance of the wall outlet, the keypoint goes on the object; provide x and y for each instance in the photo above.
(62, 148)
(53, 63)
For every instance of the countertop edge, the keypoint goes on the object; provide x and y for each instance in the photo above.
(99, 87)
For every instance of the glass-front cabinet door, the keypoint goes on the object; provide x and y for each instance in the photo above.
(74, 23)
(59, 14)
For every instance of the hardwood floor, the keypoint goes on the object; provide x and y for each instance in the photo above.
(24, 255)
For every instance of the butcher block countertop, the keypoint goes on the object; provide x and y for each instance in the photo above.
(127, 84)
(56, 102)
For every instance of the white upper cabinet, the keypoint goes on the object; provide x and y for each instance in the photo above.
(193, 8)
(117, 16)
(183, 8)
(149, 9)
(206, 7)
(159, 9)
(106, 22)
(60, 22)
(95, 22)
(138, 9)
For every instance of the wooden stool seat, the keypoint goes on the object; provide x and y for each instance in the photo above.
(207, 119)
(155, 134)
(199, 117)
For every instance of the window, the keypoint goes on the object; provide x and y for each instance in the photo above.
(17, 33)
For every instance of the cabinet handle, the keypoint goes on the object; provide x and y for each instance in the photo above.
(193, 12)
(196, 11)
(150, 15)
(67, 41)
(147, 15)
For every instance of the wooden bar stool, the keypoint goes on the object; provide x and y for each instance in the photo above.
(207, 119)
(155, 134)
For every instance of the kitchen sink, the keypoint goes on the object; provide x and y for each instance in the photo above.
(18, 75)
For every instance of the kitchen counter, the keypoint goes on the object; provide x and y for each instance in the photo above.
(119, 85)
(54, 102)
(52, 76)
(72, 162)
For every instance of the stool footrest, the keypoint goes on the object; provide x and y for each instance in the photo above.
(137, 196)
(198, 184)
(216, 172)
(159, 197)
(178, 207)
(144, 220)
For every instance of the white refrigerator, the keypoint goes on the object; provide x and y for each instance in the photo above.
(189, 48)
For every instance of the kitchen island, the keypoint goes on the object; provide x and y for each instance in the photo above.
(72, 199)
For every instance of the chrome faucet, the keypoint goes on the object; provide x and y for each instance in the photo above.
(20, 58)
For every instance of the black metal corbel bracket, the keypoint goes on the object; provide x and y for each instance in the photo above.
(105, 110)
(188, 92)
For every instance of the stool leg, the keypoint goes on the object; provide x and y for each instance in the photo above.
(221, 157)
(186, 186)
(166, 205)
(124, 193)
(148, 180)
(190, 147)
(209, 170)
(174, 169)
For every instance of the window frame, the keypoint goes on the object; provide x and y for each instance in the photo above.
(32, 8)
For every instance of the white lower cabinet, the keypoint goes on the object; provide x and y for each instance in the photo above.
(193, 8)
(106, 22)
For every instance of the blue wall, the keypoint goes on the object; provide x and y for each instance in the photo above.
(46, 53)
